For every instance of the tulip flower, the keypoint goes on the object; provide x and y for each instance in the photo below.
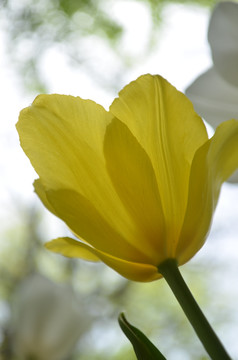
(47, 320)
(215, 92)
(137, 184)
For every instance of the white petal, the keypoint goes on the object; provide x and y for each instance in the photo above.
(213, 98)
(223, 39)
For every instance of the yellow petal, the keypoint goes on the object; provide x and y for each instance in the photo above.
(83, 218)
(58, 133)
(71, 248)
(213, 163)
(164, 122)
(63, 138)
(134, 179)
(40, 191)
(130, 270)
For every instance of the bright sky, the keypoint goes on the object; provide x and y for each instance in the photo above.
(180, 55)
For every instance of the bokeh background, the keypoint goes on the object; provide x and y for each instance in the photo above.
(53, 308)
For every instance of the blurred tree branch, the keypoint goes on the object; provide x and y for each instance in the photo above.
(34, 27)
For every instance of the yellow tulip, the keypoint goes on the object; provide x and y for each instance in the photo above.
(137, 184)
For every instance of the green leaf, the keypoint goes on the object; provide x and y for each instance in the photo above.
(143, 347)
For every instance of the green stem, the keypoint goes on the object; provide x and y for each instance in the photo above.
(207, 336)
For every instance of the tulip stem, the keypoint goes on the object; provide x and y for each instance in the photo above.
(169, 270)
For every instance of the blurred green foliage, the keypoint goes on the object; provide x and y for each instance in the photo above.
(104, 294)
(33, 27)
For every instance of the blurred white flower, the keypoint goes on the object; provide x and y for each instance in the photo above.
(215, 92)
(47, 320)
